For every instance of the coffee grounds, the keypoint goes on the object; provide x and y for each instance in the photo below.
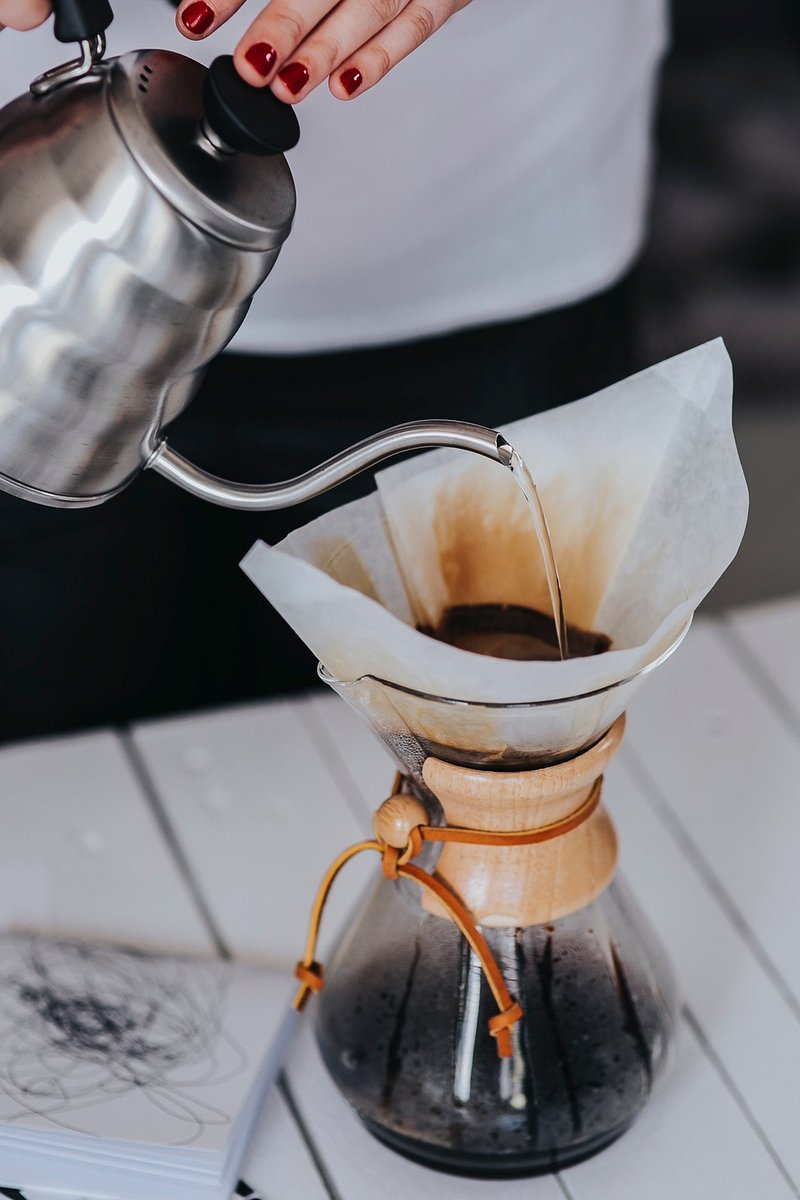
(511, 631)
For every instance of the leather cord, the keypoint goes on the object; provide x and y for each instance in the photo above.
(396, 864)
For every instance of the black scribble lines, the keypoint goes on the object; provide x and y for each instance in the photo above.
(83, 1027)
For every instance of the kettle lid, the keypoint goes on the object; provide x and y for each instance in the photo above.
(211, 144)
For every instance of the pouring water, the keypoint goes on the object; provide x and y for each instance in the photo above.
(525, 481)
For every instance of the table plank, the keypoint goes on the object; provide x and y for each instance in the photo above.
(728, 776)
(278, 1165)
(81, 853)
(740, 1013)
(770, 637)
(259, 816)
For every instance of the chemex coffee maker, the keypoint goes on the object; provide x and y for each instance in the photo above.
(498, 1008)
(143, 200)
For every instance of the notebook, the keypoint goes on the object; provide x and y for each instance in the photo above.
(132, 1074)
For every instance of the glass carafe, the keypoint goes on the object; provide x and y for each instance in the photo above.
(403, 1020)
(402, 1027)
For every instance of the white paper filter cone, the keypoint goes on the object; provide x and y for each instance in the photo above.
(646, 502)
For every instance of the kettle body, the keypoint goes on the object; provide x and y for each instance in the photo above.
(143, 200)
(131, 243)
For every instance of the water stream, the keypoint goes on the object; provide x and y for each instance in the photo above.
(527, 485)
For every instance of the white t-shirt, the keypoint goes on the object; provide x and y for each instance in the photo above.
(500, 170)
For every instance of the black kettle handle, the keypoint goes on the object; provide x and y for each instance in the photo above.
(81, 20)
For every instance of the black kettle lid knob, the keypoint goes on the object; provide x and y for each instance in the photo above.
(249, 119)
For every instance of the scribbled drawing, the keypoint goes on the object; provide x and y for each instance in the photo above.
(84, 1025)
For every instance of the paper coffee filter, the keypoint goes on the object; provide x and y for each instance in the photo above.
(646, 503)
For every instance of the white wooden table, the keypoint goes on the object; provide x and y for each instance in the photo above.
(210, 832)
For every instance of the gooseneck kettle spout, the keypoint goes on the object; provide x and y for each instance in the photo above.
(416, 435)
(143, 200)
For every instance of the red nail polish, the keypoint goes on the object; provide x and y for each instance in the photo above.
(295, 75)
(198, 17)
(262, 56)
(351, 80)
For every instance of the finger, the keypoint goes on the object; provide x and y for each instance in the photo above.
(274, 37)
(24, 14)
(412, 26)
(196, 19)
(350, 25)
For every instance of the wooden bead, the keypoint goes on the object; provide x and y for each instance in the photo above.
(395, 819)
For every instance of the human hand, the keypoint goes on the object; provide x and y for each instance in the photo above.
(293, 45)
(23, 14)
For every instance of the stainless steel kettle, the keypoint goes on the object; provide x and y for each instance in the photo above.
(143, 200)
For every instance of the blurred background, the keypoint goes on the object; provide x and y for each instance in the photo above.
(723, 257)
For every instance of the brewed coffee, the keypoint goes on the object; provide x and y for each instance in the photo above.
(511, 631)
(402, 1029)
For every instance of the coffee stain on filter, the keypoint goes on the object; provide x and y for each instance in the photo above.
(341, 561)
(487, 547)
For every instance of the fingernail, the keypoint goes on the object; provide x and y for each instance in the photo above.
(198, 17)
(351, 80)
(262, 56)
(295, 75)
